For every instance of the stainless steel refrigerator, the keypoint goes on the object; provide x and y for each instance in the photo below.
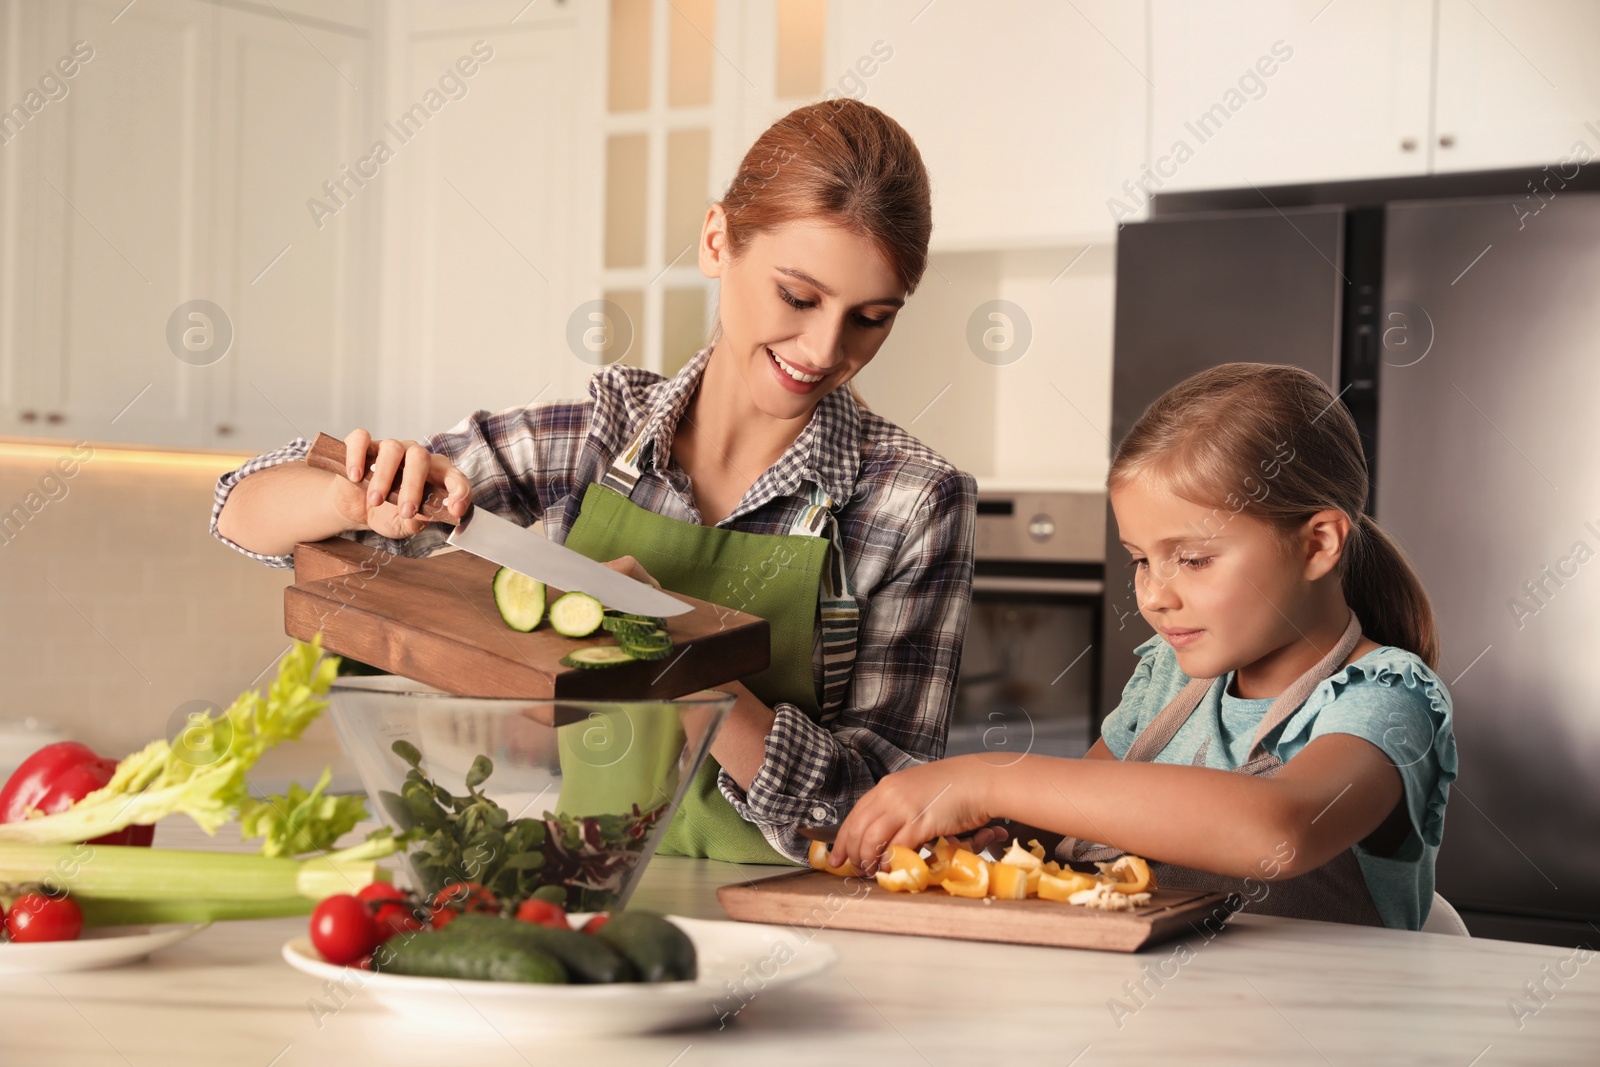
(1459, 318)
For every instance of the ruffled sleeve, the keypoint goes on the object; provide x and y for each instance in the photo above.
(1141, 698)
(1390, 698)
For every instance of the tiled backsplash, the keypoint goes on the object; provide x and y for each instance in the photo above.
(120, 607)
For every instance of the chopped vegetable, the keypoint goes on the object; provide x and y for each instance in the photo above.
(597, 656)
(159, 780)
(576, 615)
(519, 599)
(906, 872)
(1061, 885)
(969, 875)
(817, 856)
(1127, 874)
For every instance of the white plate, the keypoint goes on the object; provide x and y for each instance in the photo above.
(99, 946)
(748, 957)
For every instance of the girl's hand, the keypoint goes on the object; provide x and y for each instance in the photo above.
(629, 566)
(406, 463)
(914, 806)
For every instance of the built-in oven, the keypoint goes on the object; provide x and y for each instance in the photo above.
(1030, 667)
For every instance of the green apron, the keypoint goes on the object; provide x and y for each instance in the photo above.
(782, 578)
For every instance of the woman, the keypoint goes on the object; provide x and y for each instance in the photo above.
(754, 478)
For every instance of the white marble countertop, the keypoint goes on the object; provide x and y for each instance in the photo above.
(1264, 991)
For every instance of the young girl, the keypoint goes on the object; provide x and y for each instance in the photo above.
(1284, 735)
(753, 478)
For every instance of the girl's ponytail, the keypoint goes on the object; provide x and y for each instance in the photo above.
(1386, 594)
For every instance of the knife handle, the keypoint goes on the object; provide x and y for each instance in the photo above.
(328, 454)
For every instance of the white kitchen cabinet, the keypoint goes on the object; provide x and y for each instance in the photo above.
(1029, 116)
(176, 167)
(1518, 84)
(290, 117)
(1509, 84)
(88, 282)
(499, 214)
(1267, 93)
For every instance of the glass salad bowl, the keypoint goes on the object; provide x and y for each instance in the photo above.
(520, 794)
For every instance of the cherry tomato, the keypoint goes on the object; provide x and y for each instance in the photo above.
(382, 893)
(457, 898)
(595, 922)
(342, 929)
(36, 917)
(396, 918)
(542, 913)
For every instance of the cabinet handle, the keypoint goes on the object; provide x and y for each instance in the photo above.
(55, 418)
(224, 430)
(1408, 144)
(1447, 140)
(29, 416)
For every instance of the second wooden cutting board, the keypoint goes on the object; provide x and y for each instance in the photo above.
(819, 900)
(434, 620)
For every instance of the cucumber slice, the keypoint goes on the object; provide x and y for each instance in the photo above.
(649, 640)
(519, 599)
(647, 653)
(651, 620)
(596, 656)
(627, 626)
(576, 615)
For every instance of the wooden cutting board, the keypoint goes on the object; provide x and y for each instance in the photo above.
(434, 620)
(820, 900)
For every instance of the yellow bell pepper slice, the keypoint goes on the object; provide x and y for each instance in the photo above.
(817, 856)
(1128, 874)
(1061, 885)
(1009, 882)
(906, 872)
(968, 877)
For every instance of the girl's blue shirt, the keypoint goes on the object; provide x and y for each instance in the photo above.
(1388, 697)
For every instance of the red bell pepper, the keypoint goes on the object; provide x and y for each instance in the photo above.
(57, 777)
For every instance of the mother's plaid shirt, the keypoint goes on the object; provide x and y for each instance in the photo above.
(906, 524)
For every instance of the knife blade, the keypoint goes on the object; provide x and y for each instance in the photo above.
(499, 540)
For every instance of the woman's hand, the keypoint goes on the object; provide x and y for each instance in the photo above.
(405, 465)
(914, 806)
(631, 567)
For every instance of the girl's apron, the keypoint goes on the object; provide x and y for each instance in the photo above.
(1334, 892)
(783, 578)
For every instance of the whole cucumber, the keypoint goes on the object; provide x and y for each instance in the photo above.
(658, 949)
(441, 954)
(586, 959)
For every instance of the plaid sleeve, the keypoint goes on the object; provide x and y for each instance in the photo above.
(294, 451)
(902, 690)
(520, 462)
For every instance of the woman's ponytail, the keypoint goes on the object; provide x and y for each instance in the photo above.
(1386, 594)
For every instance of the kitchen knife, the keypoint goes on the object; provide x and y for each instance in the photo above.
(483, 533)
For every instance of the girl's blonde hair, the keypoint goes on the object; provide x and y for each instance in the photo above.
(1273, 441)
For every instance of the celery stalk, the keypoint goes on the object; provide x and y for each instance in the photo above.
(146, 912)
(128, 873)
